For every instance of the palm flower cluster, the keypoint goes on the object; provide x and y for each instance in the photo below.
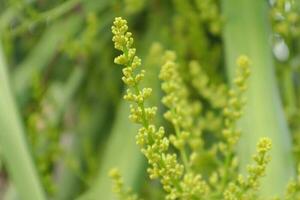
(153, 141)
(176, 172)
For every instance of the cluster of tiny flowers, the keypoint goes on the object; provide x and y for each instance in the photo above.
(244, 188)
(232, 113)
(293, 188)
(152, 140)
(176, 94)
(162, 164)
(119, 186)
(175, 99)
(153, 143)
(209, 14)
(181, 181)
(216, 95)
(182, 113)
(210, 120)
(123, 41)
(233, 108)
(261, 159)
(194, 187)
(286, 18)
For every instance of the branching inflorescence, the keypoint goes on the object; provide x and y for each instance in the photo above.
(178, 177)
(152, 140)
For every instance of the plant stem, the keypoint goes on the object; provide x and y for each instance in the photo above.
(14, 149)
(247, 31)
